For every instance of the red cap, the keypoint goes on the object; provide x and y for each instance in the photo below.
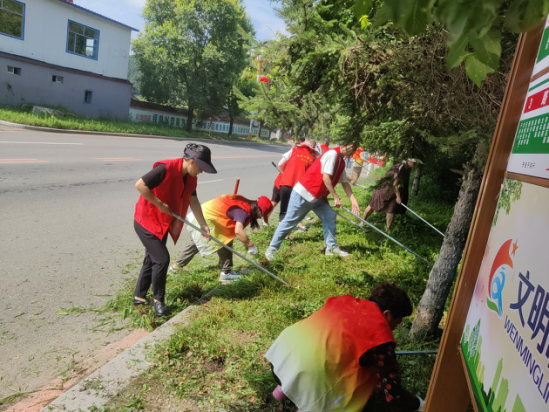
(266, 207)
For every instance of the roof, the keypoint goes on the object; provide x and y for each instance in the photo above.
(98, 15)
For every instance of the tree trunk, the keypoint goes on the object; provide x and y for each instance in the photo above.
(190, 119)
(417, 178)
(443, 273)
(259, 128)
(231, 122)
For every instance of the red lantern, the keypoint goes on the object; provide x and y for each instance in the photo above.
(263, 79)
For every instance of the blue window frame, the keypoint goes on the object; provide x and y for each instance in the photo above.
(12, 19)
(82, 40)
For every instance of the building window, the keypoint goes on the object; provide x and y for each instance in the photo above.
(82, 40)
(14, 70)
(88, 96)
(12, 18)
(57, 79)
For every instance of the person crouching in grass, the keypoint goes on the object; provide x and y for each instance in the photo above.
(334, 359)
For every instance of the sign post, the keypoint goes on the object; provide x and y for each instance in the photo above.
(468, 367)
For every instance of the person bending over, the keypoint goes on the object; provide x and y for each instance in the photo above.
(227, 216)
(310, 194)
(333, 360)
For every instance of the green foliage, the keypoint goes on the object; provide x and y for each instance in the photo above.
(510, 193)
(192, 53)
(474, 26)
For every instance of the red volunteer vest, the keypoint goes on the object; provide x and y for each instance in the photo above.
(171, 191)
(312, 179)
(297, 165)
(324, 148)
(277, 180)
(217, 209)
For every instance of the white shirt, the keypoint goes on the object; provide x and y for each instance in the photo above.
(328, 163)
(285, 157)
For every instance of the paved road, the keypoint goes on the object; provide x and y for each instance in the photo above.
(66, 213)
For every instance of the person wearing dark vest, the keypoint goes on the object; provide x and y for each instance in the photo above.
(310, 194)
(227, 216)
(169, 187)
(300, 159)
(334, 359)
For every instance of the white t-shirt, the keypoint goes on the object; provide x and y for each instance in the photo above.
(328, 164)
(285, 157)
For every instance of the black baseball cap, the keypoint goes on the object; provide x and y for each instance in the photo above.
(201, 155)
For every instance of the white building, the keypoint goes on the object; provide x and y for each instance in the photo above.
(57, 53)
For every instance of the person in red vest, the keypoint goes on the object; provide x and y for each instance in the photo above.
(326, 146)
(227, 216)
(357, 166)
(334, 359)
(310, 194)
(169, 187)
(295, 166)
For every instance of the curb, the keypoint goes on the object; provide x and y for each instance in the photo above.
(146, 136)
(118, 373)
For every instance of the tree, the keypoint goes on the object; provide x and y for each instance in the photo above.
(474, 27)
(395, 94)
(245, 87)
(192, 53)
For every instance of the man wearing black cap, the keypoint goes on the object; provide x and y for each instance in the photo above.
(169, 187)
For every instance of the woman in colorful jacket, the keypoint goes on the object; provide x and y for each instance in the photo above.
(227, 216)
(333, 360)
(169, 187)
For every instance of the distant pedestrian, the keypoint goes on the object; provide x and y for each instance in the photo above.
(392, 190)
(169, 187)
(227, 216)
(325, 146)
(356, 169)
(334, 359)
(310, 194)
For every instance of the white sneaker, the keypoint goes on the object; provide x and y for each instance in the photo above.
(336, 251)
(174, 268)
(229, 277)
(270, 253)
(361, 224)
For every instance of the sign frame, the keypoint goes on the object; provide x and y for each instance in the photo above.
(449, 389)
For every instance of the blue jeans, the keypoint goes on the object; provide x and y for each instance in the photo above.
(297, 210)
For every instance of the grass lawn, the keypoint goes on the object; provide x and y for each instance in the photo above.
(216, 362)
(14, 114)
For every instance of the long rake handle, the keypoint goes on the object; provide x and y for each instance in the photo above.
(384, 234)
(229, 248)
(415, 214)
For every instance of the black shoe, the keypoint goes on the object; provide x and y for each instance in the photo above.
(137, 302)
(160, 308)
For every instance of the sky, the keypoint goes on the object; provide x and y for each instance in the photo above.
(262, 14)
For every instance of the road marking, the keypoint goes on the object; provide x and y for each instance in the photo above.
(17, 142)
(246, 156)
(213, 181)
(17, 161)
(117, 159)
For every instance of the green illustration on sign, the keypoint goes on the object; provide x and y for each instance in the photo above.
(495, 399)
(533, 136)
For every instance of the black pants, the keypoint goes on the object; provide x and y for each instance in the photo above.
(285, 193)
(155, 265)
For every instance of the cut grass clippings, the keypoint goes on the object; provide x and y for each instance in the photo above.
(217, 360)
(15, 114)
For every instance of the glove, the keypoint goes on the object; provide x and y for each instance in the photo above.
(252, 250)
(421, 403)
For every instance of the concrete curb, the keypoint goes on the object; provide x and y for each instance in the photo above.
(118, 373)
(145, 136)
